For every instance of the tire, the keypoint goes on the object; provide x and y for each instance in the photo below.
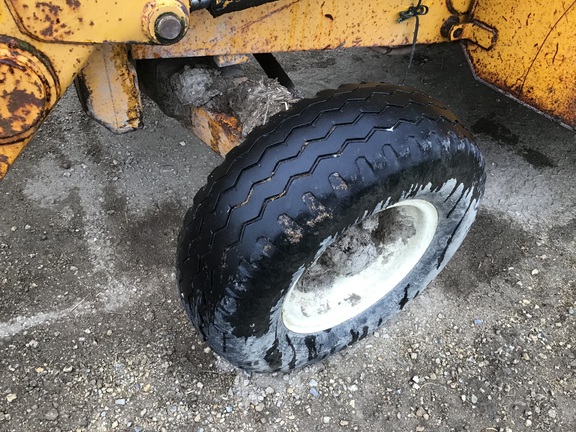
(325, 223)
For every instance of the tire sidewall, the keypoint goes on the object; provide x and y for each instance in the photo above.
(278, 348)
(234, 288)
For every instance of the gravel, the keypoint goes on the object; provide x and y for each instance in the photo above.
(93, 337)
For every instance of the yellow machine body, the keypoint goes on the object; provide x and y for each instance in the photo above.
(525, 49)
(534, 58)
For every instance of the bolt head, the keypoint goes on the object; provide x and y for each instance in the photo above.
(169, 27)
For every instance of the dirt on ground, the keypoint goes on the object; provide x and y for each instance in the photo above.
(93, 336)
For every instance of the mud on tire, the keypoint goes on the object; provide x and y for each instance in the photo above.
(325, 223)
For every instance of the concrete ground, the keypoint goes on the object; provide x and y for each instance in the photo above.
(93, 337)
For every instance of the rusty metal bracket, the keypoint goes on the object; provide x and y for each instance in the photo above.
(475, 32)
(108, 89)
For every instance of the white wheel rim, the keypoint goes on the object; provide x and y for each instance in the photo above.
(339, 285)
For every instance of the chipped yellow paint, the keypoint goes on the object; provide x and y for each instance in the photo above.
(534, 56)
(23, 100)
(28, 89)
(8, 154)
(34, 74)
(222, 132)
(230, 60)
(475, 32)
(298, 25)
(525, 49)
(83, 21)
(459, 7)
(108, 89)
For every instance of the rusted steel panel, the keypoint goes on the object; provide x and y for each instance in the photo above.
(534, 57)
(86, 21)
(297, 25)
(108, 89)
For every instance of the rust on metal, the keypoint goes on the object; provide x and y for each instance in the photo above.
(459, 7)
(222, 132)
(8, 154)
(28, 88)
(155, 12)
(108, 89)
(285, 25)
(220, 7)
(73, 4)
(32, 76)
(24, 109)
(448, 25)
(230, 60)
(51, 22)
(475, 32)
(533, 59)
(94, 22)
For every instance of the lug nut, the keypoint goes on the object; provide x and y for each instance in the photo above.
(169, 27)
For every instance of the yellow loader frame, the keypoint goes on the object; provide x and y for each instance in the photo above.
(527, 50)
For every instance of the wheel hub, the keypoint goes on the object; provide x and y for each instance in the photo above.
(362, 265)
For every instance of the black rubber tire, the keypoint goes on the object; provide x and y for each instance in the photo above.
(257, 221)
